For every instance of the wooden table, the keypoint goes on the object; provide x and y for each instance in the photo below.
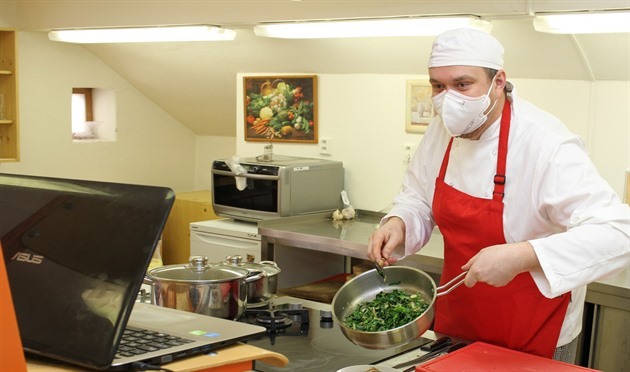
(236, 358)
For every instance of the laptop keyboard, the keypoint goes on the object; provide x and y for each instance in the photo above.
(136, 341)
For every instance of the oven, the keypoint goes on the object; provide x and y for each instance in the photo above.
(304, 331)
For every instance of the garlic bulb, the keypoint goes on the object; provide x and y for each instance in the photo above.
(336, 216)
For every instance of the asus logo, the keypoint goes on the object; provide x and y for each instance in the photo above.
(30, 258)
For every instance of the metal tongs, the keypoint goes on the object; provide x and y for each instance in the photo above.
(378, 265)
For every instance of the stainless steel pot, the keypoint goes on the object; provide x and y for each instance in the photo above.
(259, 290)
(366, 286)
(216, 290)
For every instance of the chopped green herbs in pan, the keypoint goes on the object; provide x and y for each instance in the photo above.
(387, 311)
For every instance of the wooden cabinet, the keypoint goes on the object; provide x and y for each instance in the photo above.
(188, 207)
(9, 144)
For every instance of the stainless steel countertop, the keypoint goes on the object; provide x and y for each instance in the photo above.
(612, 292)
(319, 232)
(349, 238)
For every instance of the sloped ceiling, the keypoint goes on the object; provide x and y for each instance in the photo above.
(196, 82)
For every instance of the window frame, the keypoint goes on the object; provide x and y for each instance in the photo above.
(89, 106)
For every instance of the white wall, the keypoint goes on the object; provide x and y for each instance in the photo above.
(209, 149)
(151, 147)
(610, 131)
(363, 115)
(597, 111)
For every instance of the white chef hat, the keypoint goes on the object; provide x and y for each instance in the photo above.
(466, 47)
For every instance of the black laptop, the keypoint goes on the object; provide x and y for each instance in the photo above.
(76, 254)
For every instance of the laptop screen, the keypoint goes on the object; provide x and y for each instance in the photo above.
(76, 253)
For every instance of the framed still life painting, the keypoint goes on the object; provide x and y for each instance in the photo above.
(280, 108)
(419, 106)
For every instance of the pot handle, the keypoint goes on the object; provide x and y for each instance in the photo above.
(254, 275)
(451, 285)
(147, 280)
(269, 263)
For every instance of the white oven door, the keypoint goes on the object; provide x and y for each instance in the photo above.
(216, 246)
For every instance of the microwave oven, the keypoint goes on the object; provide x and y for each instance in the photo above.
(285, 186)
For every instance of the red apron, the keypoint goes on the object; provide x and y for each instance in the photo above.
(516, 316)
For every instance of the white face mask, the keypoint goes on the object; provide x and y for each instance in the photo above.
(462, 114)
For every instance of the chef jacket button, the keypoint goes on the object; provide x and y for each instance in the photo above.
(450, 183)
(494, 152)
(485, 194)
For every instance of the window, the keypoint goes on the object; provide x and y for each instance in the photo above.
(93, 114)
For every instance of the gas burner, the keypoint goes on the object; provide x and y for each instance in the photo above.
(281, 319)
(273, 321)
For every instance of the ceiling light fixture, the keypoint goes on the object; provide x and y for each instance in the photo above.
(143, 34)
(418, 26)
(583, 23)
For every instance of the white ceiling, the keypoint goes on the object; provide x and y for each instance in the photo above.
(195, 82)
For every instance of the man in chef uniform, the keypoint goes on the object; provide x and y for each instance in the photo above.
(519, 203)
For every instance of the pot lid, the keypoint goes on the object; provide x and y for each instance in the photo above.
(197, 270)
(267, 267)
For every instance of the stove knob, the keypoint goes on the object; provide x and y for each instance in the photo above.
(295, 306)
(326, 324)
(325, 314)
(325, 319)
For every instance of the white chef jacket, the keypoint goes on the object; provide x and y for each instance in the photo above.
(554, 198)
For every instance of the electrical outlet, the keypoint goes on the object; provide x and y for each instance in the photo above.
(324, 146)
(408, 154)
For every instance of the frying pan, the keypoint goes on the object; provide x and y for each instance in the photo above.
(366, 286)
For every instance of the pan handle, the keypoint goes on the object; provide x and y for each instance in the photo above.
(147, 280)
(448, 287)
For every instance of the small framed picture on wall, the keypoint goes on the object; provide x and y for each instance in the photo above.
(280, 108)
(419, 106)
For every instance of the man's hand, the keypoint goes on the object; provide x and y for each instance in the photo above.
(387, 237)
(497, 265)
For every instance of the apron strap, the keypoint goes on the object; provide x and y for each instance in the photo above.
(442, 173)
(504, 133)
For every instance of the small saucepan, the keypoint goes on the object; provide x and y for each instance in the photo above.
(365, 287)
(260, 288)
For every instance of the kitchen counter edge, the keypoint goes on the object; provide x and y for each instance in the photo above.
(314, 232)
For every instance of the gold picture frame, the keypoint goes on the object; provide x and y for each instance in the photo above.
(419, 106)
(280, 108)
